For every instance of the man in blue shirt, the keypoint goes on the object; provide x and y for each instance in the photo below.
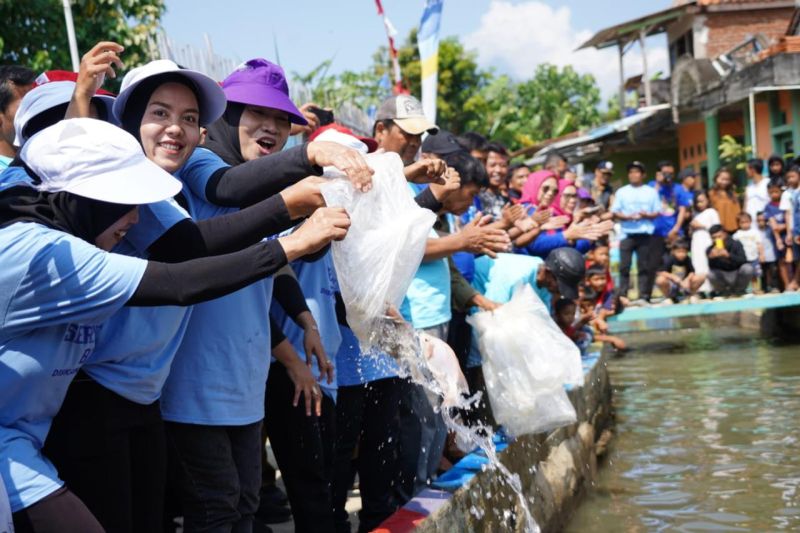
(675, 207)
(636, 206)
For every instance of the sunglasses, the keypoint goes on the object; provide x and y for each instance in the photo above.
(546, 189)
(569, 194)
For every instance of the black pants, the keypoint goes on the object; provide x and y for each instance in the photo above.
(303, 447)
(641, 244)
(219, 475)
(658, 247)
(111, 453)
(367, 420)
(60, 512)
(459, 337)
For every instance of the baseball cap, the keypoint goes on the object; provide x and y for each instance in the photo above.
(636, 164)
(44, 97)
(406, 112)
(262, 83)
(49, 76)
(605, 166)
(212, 100)
(443, 143)
(568, 266)
(97, 160)
(345, 136)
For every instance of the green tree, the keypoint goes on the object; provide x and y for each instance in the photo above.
(34, 32)
(459, 78)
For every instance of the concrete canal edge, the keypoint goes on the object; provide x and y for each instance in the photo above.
(554, 470)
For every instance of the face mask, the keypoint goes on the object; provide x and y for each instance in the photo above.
(667, 176)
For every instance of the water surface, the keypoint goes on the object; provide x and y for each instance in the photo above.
(707, 437)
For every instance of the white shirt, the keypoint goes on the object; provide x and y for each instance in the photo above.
(757, 197)
(750, 240)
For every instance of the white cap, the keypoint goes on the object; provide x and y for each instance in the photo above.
(212, 99)
(47, 96)
(97, 160)
(332, 135)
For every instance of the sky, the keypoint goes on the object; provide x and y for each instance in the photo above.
(510, 36)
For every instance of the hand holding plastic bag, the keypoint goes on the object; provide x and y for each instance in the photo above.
(377, 260)
(527, 360)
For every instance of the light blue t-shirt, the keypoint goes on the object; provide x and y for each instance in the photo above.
(4, 162)
(630, 200)
(318, 281)
(134, 349)
(136, 346)
(13, 176)
(56, 290)
(497, 278)
(355, 368)
(427, 302)
(219, 373)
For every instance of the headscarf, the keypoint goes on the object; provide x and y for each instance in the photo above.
(776, 177)
(530, 191)
(64, 211)
(555, 207)
(222, 136)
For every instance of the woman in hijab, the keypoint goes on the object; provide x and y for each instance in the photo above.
(116, 460)
(89, 177)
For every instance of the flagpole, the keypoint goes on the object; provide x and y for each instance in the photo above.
(73, 42)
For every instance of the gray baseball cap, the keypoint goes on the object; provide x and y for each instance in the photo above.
(406, 112)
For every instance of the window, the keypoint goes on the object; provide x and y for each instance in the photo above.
(683, 45)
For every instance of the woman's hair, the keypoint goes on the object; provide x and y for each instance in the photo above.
(697, 197)
(731, 190)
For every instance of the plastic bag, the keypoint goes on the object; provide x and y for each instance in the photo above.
(527, 360)
(377, 260)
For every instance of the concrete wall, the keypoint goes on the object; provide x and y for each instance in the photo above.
(554, 470)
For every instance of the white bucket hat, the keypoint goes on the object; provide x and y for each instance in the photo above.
(212, 99)
(44, 97)
(96, 160)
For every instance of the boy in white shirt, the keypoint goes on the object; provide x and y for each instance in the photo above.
(752, 242)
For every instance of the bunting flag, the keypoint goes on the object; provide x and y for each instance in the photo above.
(391, 33)
(428, 43)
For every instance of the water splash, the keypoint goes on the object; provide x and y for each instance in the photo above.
(400, 340)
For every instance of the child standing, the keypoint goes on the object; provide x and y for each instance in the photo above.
(750, 238)
(776, 221)
(769, 265)
(676, 278)
(790, 204)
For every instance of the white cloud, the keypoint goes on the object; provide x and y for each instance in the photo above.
(515, 38)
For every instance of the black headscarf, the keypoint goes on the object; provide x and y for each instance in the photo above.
(137, 102)
(222, 136)
(64, 211)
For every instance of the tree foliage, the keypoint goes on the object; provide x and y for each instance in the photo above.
(35, 34)
(553, 102)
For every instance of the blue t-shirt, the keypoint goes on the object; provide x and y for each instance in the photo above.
(219, 373)
(13, 176)
(134, 349)
(4, 162)
(56, 290)
(672, 199)
(318, 281)
(355, 368)
(497, 278)
(774, 211)
(136, 346)
(630, 200)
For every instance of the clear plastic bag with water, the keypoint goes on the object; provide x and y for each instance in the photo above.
(527, 360)
(377, 260)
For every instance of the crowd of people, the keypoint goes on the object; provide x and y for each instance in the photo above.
(170, 300)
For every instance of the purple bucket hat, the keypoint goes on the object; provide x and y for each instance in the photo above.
(262, 83)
